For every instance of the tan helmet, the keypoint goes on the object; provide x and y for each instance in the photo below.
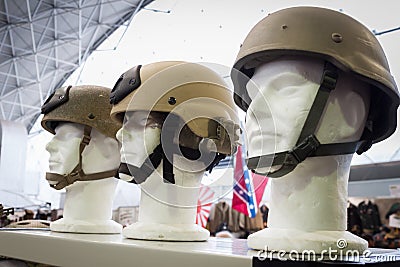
(331, 36)
(87, 105)
(192, 92)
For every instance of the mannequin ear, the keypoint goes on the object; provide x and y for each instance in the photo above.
(107, 146)
(347, 110)
(356, 102)
(356, 114)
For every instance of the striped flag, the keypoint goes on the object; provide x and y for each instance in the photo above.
(206, 196)
(248, 188)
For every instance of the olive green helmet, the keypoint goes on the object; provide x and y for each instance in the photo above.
(192, 92)
(331, 36)
(87, 105)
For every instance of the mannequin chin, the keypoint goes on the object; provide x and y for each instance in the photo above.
(88, 204)
(308, 206)
(166, 211)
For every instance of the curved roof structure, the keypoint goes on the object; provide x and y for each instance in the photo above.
(42, 42)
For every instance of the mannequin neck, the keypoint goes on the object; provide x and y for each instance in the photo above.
(90, 200)
(337, 166)
(313, 196)
(171, 203)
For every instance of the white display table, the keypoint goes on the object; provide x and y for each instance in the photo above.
(112, 250)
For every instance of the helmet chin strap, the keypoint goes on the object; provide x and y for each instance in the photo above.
(77, 174)
(307, 144)
(164, 152)
(140, 174)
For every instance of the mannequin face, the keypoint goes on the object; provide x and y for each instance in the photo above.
(100, 155)
(64, 148)
(282, 93)
(139, 136)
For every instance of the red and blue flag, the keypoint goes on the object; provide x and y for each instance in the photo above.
(248, 188)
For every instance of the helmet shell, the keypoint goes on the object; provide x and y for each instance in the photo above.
(331, 36)
(85, 104)
(193, 92)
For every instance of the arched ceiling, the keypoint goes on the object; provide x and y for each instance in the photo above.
(42, 42)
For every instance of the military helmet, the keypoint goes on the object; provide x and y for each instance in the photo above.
(332, 36)
(193, 92)
(85, 104)
(89, 106)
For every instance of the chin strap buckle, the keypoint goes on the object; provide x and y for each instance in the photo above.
(71, 178)
(304, 149)
(225, 134)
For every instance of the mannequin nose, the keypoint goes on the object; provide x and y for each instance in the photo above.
(118, 135)
(122, 134)
(50, 147)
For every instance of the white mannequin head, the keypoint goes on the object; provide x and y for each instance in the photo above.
(197, 117)
(166, 211)
(358, 98)
(309, 201)
(282, 92)
(88, 204)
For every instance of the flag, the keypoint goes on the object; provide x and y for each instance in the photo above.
(248, 187)
(206, 196)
